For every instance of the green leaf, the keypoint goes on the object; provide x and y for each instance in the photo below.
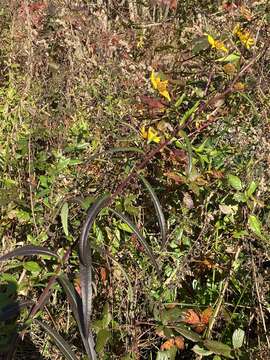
(216, 357)
(168, 354)
(235, 182)
(201, 351)
(255, 225)
(59, 341)
(125, 227)
(64, 218)
(218, 348)
(32, 266)
(229, 58)
(188, 334)
(188, 113)
(251, 189)
(238, 338)
(102, 337)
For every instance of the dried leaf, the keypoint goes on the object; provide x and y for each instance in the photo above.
(167, 344)
(179, 342)
(206, 315)
(190, 317)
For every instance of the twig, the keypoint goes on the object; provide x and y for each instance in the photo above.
(222, 294)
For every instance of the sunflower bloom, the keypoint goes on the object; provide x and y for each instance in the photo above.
(160, 85)
(216, 44)
(151, 134)
(244, 36)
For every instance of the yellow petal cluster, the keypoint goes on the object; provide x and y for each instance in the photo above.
(160, 85)
(151, 134)
(244, 36)
(216, 44)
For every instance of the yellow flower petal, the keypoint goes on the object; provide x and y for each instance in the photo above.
(153, 80)
(151, 135)
(244, 36)
(160, 85)
(217, 44)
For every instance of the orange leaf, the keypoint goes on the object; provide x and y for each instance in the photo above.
(199, 328)
(179, 342)
(190, 317)
(167, 345)
(206, 315)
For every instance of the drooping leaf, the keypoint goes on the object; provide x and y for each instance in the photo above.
(28, 250)
(76, 306)
(235, 182)
(238, 338)
(218, 348)
(139, 236)
(59, 341)
(255, 225)
(86, 290)
(84, 250)
(158, 208)
(64, 218)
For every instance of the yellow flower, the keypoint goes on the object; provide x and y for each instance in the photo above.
(160, 85)
(151, 135)
(244, 36)
(217, 44)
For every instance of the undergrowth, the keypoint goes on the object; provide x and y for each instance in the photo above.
(134, 157)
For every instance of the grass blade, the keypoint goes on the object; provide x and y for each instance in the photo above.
(76, 306)
(59, 341)
(158, 208)
(84, 252)
(139, 236)
(28, 250)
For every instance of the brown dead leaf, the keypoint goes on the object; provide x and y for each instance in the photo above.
(190, 317)
(173, 176)
(246, 13)
(153, 103)
(179, 342)
(103, 275)
(171, 3)
(199, 328)
(167, 344)
(206, 315)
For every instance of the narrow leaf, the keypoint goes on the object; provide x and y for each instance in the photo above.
(229, 58)
(28, 250)
(59, 341)
(86, 289)
(84, 249)
(64, 218)
(158, 208)
(238, 338)
(76, 306)
(139, 236)
(251, 189)
(189, 113)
